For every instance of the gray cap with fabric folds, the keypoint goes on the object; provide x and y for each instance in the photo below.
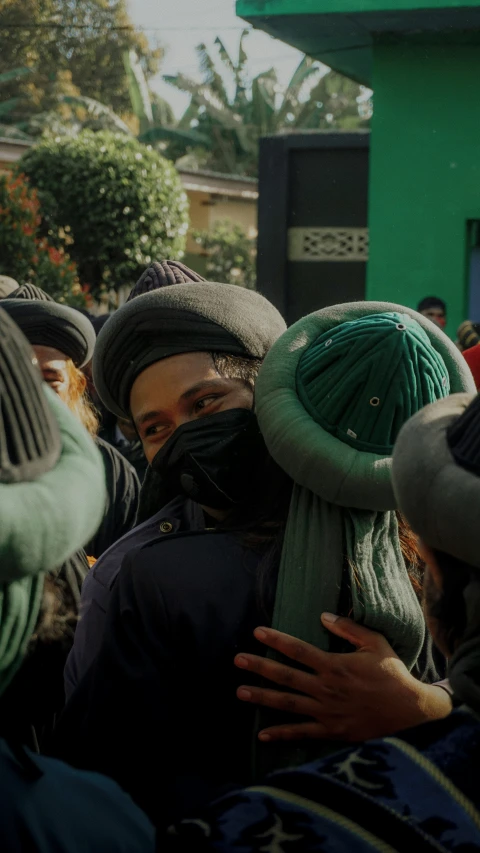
(7, 286)
(47, 323)
(31, 292)
(435, 490)
(191, 317)
(163, 274)
(29, 435)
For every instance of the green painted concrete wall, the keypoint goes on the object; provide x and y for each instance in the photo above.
(249, 8)
(425, 173)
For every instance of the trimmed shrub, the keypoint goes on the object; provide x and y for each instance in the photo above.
(121, 203)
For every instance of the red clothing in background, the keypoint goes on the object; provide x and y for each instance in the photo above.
(472, 357)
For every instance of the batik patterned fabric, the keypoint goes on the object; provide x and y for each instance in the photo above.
(385, 795)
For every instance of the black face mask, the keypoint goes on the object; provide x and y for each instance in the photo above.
(213, 460)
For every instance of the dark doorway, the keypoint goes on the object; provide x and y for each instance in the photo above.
(313, 237)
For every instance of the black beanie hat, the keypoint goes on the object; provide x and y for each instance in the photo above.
(30, 291)
(29, 436)
(162, 274)
(49, 324)
(463, 438)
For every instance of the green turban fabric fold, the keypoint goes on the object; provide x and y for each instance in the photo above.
(331, 398)
(45, 521)
(52, 492)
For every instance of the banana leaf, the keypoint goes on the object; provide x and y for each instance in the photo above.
(211, 76)
(14, 74)
(138, 89)
(97, 110)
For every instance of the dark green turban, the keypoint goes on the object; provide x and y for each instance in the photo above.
(190, 317)
(331, 397)
(52, 491)
(47, 323)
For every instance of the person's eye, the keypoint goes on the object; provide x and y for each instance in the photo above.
(153, 430)
(205, 402)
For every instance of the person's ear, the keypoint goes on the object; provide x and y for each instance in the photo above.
(430, 560)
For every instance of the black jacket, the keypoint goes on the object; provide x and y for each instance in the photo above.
(123, 489)
(157, 711)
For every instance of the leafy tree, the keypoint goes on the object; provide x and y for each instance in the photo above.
(121, 203)
(231, 254)
(74, 48)
(232, 112)
(24, 253)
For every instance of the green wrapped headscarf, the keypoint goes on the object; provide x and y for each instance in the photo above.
(331, 398)
(52, 492)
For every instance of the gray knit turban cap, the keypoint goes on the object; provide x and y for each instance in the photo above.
(436, 475)
(163, 274)
(7, 286)
(191, 317)
(31, 292)
(47, 323)
(29, 435)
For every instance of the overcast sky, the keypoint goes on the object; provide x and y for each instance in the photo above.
(179, 25)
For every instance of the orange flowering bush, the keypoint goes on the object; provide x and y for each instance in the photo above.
(24, 253)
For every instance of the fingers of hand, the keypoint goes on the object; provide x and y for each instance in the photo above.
(357, 635)
(300, 731)
(292, 703)
(291, 647)
(277, 672)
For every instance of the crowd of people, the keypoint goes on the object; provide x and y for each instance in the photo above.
(240, 580)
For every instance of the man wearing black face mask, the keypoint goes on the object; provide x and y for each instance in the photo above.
(181, 362)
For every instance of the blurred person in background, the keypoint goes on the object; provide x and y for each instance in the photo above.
(435, 309)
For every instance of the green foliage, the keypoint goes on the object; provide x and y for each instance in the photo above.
(72, 48)
(233, 125)
(231, 254)
(121, 203)
(24, 253)
(7, 106)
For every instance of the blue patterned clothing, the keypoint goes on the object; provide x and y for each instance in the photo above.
(415, 793)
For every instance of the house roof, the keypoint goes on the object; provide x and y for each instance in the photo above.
(342, 33)
(215, 183)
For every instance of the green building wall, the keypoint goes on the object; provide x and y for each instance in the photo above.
(425, 173)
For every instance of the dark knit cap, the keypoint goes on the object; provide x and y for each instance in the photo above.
(163, 274)
(47, 323)
(192, 317)
(463, 438)
(31, 291)
(29, 435)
